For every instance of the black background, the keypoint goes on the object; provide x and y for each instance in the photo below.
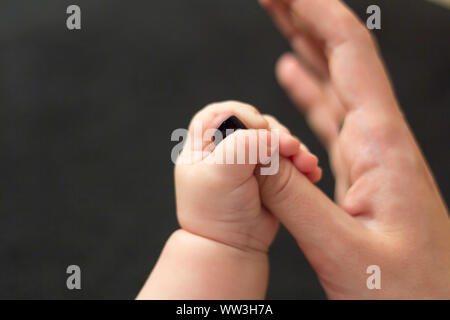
(86, 118)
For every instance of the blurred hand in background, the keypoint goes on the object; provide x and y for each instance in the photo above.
(388, 209)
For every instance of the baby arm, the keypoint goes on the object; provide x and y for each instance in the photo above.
(221, 250)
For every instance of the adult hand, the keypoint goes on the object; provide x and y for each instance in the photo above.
(388, 209)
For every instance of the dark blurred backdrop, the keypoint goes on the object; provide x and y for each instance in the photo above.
(86, 118)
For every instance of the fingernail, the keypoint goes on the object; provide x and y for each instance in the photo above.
(304, 148)
(230, 125)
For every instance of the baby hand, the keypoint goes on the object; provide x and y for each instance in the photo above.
(221, 202)
(221, 250)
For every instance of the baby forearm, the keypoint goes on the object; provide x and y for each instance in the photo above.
(193, 267)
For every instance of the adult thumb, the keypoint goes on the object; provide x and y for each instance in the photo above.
(321, 228)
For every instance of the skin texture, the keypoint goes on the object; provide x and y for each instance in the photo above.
(388, 209)
(225, 230)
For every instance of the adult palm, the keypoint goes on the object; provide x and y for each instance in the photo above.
(388, 209)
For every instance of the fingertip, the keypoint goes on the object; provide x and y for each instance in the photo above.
(306, 162)
(287, 57)
(285, 68)
(316, 175)
(304, 148)
(289, 145)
